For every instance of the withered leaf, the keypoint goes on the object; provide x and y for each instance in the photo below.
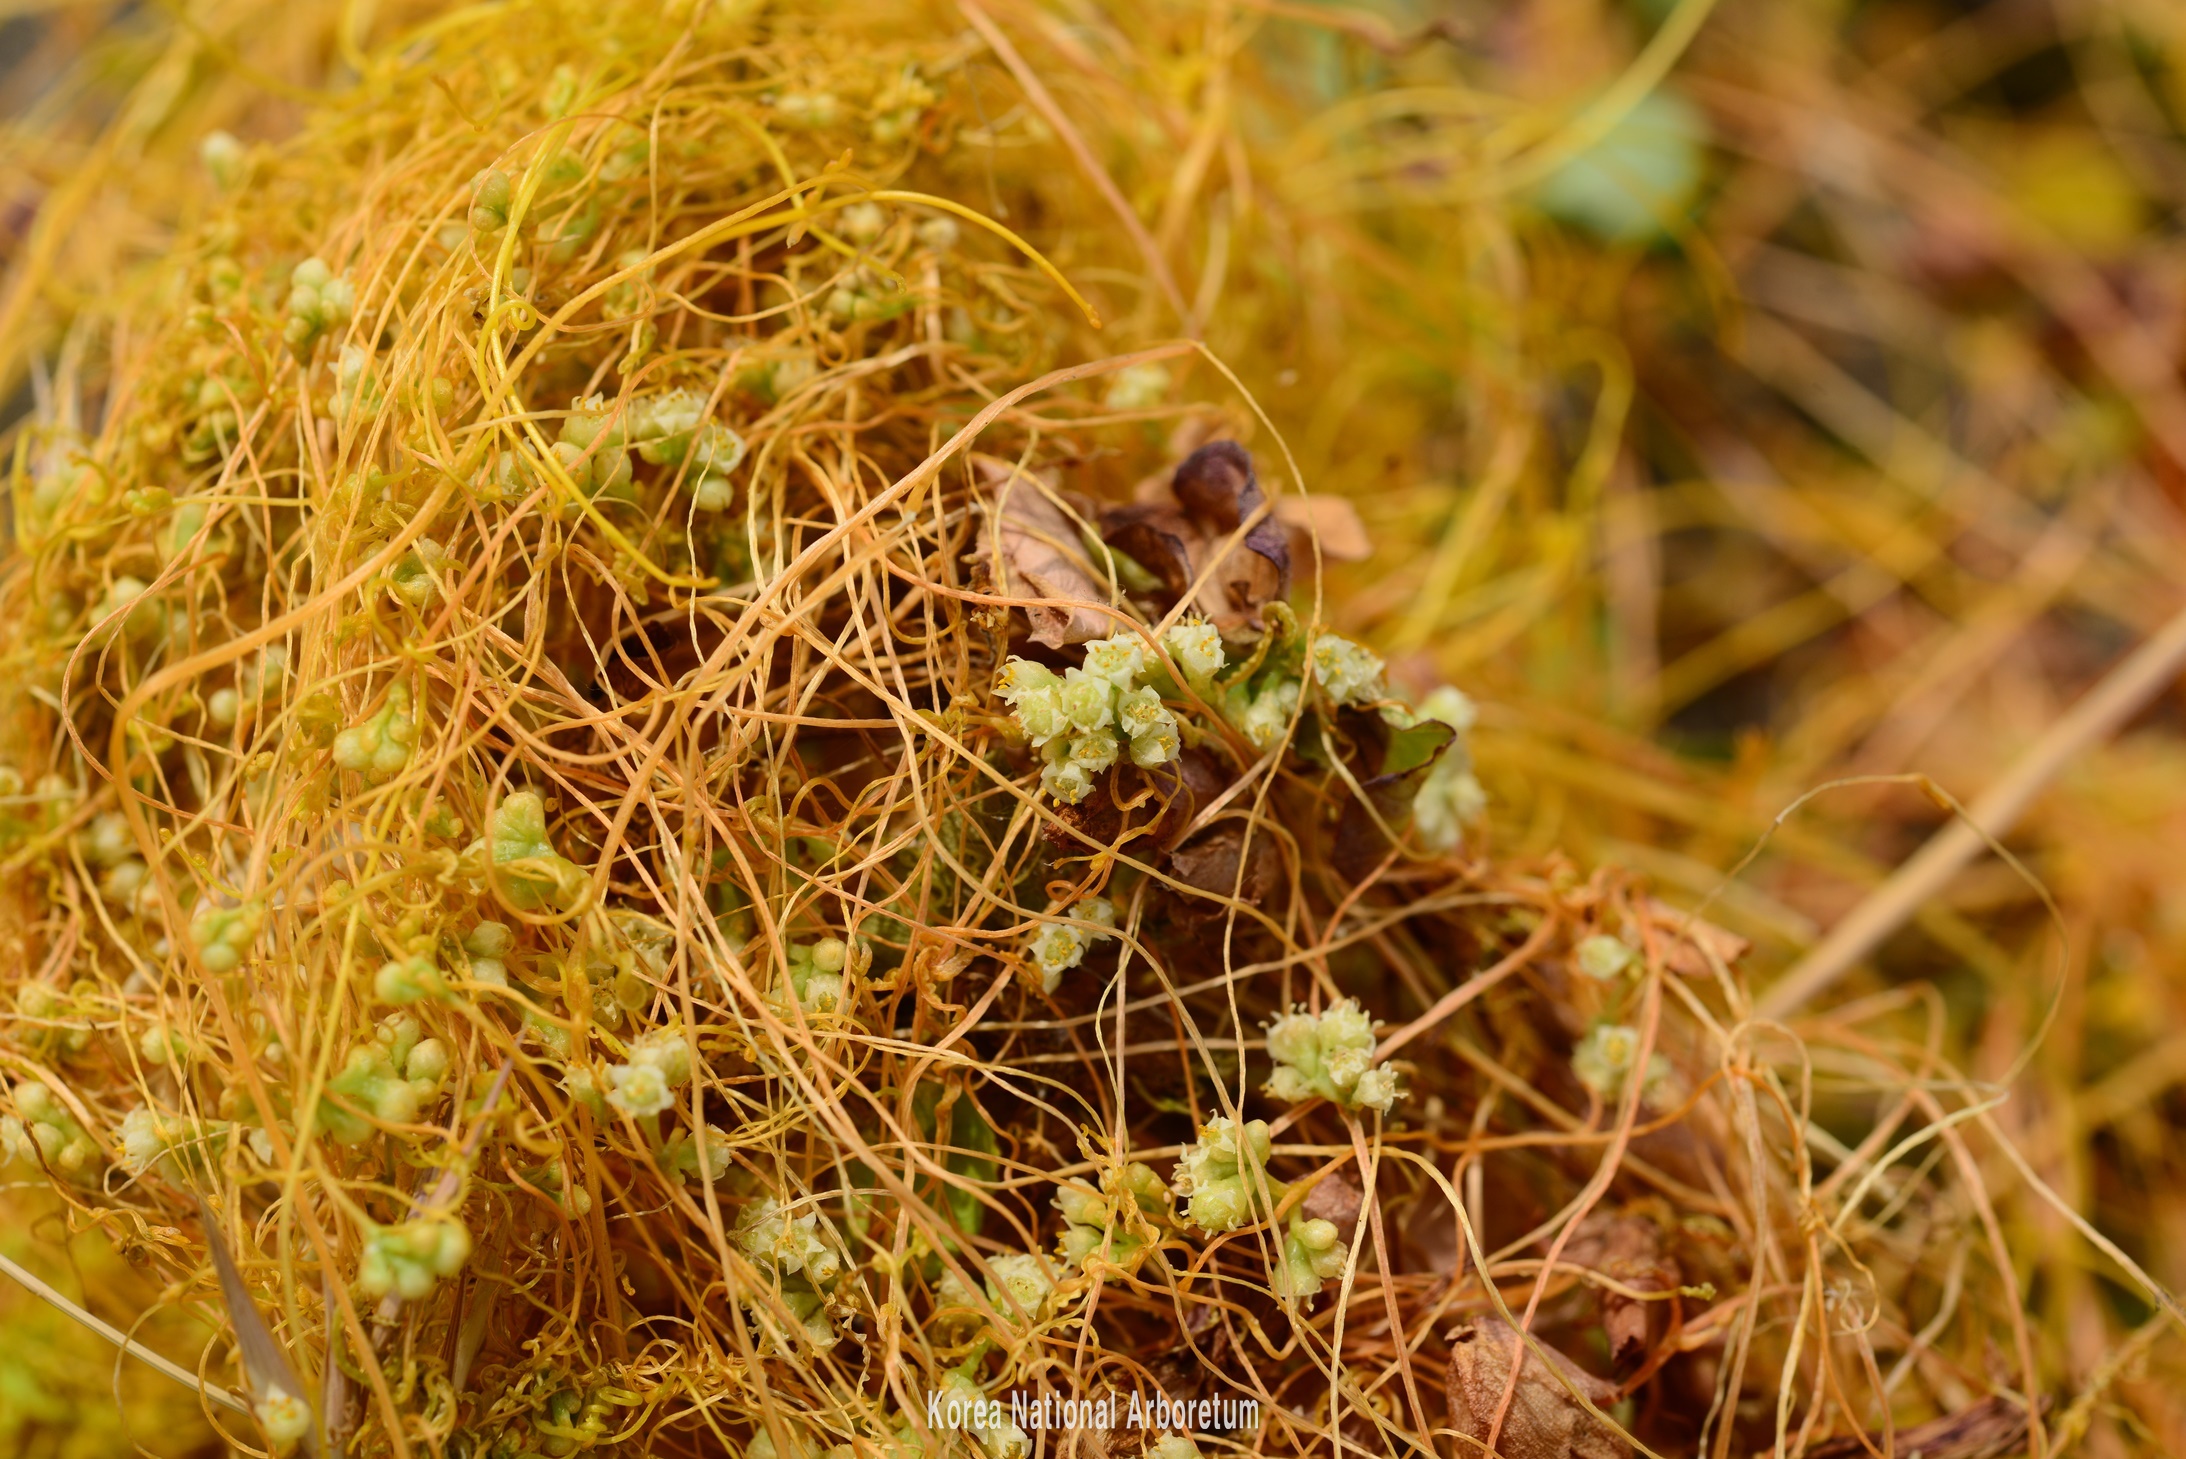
(1544, 1421)
(1209, 862)
(1627, 1249)
(264, 1364)
(1362, 831)
(1330, 520)
(1031, 550)
(1212, 493)
(1192, 780)
(1991, 1429)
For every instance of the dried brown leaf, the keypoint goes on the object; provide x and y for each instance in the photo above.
(1210, 861)
(1627, 1249)
(1544, 1421)
(1331, 520)
(1032, 552)
(264, 1363)
(1991, 1429)
(1176, 536)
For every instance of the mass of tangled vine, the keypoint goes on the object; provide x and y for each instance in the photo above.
(658, 806)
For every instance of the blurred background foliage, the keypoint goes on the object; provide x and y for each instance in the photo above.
(1735, 399)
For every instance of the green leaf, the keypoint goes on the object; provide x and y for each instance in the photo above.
(968, 1131)
(1422, 744)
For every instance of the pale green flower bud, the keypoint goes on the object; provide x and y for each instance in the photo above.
(713, 493)
(491, 198)
(1137, 387)
(409, 1257)
(1268, 714)
(225, 159)
(864, 222)
(1220, 1175)
(284, 1418)
(679, 1155)
(409, 980)
(108, 841)
(379, 748)
(145, 1137)
(318, 302)
(1313, 1253)
(519, 842)
(1056, 947)
(222, 935)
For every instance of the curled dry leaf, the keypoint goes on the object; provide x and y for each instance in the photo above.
(1544, 1421)
(1628, 1250)
(1991, 1429)
(1212, 494)
(1032, 551)
(1209, 862)
(1330, 520)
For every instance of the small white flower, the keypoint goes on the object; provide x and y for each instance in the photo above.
(1349, 672)
(1602, 957)
(639, 1089)
(1196, 649)
(1057, 947)
(1137, 387)
(1120, 660)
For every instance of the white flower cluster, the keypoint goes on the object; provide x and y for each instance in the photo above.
(1351, 673)
(1223, 1176)
(790, 1244)
(1329, 1054)
(659, 1061)
(1346, 672)
(802, 1259)
(1057, 947)
(1023, 1278)
(1083, 719)
(1262, 715)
